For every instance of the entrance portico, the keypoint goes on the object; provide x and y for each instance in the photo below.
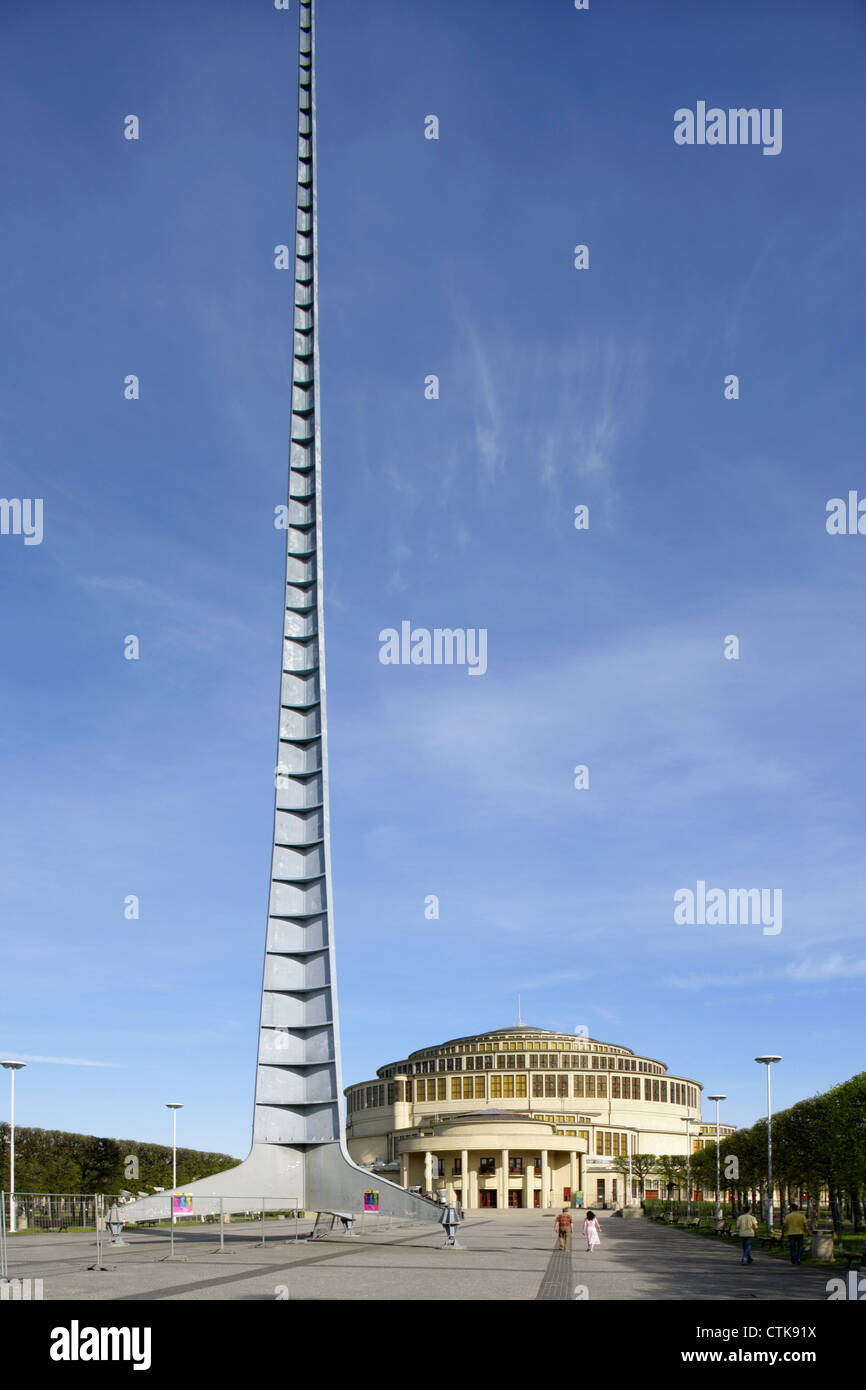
(495, 1160)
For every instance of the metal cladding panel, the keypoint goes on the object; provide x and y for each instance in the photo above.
(313, 1125)
(297, 973)
(302, 485)
(302, 457)
(297, 724)
(300, 571)
(303, 1010)
(295, 936)
(287, 1046)
(295, 795)
(299, 692)
(300, 624)
(301, 543)
(295, 1085)
(300, 655)
(289, 900)
(298, 828)
(300, 598)
(293, 864)
(300, 757)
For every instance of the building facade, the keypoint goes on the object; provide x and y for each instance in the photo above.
(522, 1117)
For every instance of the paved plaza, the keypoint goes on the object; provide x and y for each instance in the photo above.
(502, 1255)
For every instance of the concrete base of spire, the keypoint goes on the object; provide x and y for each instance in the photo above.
(315, 1177)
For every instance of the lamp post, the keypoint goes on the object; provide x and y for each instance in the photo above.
(629, 1137)
(767, 1060)
(11, 1067)
(717, 1099)
(174, 1106)
(688, 1120)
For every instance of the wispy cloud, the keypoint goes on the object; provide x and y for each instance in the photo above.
(488, 414)
(63, 1061)
(815, 972)
(558, 977)
(560, 409)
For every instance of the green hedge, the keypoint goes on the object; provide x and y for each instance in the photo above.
(52, 1160)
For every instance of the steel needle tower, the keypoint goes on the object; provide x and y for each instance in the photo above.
(299, 1148)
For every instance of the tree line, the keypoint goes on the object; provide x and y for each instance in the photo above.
(52, 1160)
(819, 1147)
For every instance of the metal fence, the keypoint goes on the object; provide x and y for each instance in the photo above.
(97, 1226)
(194, 1222)
(50, 1211)
(181, 1215)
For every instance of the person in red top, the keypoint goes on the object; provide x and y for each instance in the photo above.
(562, 1225)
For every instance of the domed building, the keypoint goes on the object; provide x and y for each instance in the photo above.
(522, 1117)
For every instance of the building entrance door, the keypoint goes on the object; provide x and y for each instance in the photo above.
(514, 1198)
(599, 1192)
(487, 1198)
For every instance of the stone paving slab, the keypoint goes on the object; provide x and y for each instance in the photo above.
(558, 1278)
(502, 1255)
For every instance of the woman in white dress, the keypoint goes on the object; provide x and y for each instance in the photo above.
(591, 1231)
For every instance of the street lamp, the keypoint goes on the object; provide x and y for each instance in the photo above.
(11, 1067)
(629, 1137)
(767, 1060)
(717, 1099)
(174, 1106)
(688, 1120)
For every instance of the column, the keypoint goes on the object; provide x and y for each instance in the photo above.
(528, 1171)
(464, 1176)
(572, 1175)
(581, 1176)
(404, 1170)
(545, 1179)
(428, 1172)
(503, 1180)
(470, 1198)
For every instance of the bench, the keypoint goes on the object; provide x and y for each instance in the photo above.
(45, 1223)
(769, 1242)
(320, 1232)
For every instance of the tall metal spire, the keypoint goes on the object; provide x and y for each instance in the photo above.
(299, 1151)
(298, 1080)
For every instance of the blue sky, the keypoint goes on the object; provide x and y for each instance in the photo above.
(557, 387)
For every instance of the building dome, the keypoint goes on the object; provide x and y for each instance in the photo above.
(521, 1116)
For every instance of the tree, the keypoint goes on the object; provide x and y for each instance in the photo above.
(642, 1165)
(671, 1168)
(703, 1168)
(50, 1160)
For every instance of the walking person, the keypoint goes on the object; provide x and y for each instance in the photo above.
(795, 1227)
(562, 1225)
(746, 1228)
(591, 1231)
